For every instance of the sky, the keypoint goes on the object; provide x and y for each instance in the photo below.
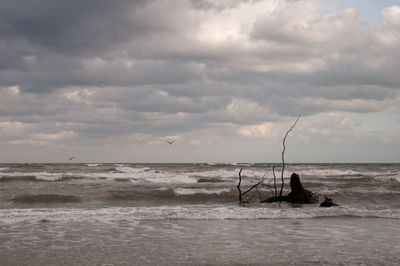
(111, 81)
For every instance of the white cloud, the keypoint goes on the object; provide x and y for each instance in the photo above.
(392, 15)
(243, 110)
(10, 125)
(10, 90)
(261, 130)
(56, 136)
(173, 137)
(29, 142)
(79, 95)
(40, 139)
(351, 105)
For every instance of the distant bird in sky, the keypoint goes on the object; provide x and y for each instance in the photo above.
(170, 142)
(71, 158)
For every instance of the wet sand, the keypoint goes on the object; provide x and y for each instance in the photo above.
(317, 241)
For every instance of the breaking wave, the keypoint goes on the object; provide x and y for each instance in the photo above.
(126, 169)
(193, 191)
(37, 176)
(344, 173)
(177, 195)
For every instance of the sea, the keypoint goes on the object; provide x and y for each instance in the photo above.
(189, 214)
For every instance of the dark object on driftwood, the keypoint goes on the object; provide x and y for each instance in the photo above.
(327, 203)
(297, 195)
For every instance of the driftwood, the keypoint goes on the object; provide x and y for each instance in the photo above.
(241, 194)
(275, 198)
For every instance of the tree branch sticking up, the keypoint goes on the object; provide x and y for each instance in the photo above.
(275, 197)
(283, 154)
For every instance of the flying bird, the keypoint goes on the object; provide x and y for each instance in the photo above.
(170, 142)
(70, 158)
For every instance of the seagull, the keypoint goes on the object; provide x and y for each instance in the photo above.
(170, 142)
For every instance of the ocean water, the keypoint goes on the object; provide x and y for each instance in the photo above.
(189, 214)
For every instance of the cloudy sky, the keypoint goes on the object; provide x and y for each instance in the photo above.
(111, 81)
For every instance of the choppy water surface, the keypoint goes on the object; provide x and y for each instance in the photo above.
(124, 214)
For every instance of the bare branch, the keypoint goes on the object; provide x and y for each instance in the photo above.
(268, 184)
(273, 172)
(241, 194)
(238, 186)
(250, 189)
(283, 154)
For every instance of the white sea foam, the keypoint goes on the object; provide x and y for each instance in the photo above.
(49, 176)
(396, 177)
(45, 176)
(192, 191)
(147, 174)
(326, 173)
(126, 169)
(4, 168)
(327, 192)
(154, 176)
(192, 212)
(228, 175)
(94, 164)
(217, 164)
(389, 177)
(134, 174)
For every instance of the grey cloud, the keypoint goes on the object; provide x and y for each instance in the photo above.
(218, 5)
(80, 27)
(44, 42)
(145, 65)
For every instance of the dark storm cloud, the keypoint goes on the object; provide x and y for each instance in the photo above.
(72, 27)
(45, 43)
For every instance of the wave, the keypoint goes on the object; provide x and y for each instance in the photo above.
(204, 191)
(174, 195)
(188, 212)
(150, 175)
(17, 178)
(37, 176)
(323, 173)
(201, 179)
(94, 164)
(146, 174)
(142, 174)
(228, 164)
(45, 198)
(390, 177)
(126, 169)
